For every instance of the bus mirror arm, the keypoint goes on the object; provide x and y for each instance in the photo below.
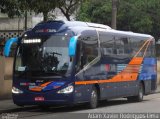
(71, 59)
(8, 45)
(72, 46)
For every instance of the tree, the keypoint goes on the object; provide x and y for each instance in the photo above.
(42, 6)
(96, 11)
(68, 7)
(17, 7)
(114, 14)
(132, 15)
(140, 16)
(10, 7)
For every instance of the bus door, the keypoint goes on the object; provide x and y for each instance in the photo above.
(87, 64)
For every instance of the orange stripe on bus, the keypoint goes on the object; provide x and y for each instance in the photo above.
(118, 78)
(141, 48)
(122, 76)
(125, 75)
(146, 48)
(130, 73)
(136, 61)
(45, 84)
(39, 88)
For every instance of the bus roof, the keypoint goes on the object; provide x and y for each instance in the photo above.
(76, 23)
(79, 26)
(129, 33)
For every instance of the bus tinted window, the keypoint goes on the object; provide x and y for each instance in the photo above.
(107, 44)
(122, 46)
(50, 57)
(137, 43)
(89, 48)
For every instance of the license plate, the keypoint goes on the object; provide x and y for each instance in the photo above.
(39, 98)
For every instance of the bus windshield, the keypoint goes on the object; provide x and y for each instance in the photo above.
(43, 56)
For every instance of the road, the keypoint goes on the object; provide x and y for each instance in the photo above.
(151, 104)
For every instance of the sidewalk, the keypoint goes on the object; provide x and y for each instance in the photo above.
(158, 89)
(6, 105)
(9, 106)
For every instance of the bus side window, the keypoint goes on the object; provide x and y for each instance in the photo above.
(89, 49)
(137, 43)
(107, 44)
(119, 46)
(126, 45)
(78, 57)
(150, 50)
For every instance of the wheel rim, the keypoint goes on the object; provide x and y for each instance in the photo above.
(141, 93)
(94, 98)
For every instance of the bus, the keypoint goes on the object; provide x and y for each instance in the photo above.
(73, 62)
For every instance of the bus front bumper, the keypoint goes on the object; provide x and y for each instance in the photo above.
(43, 99)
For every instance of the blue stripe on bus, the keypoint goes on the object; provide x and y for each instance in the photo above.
(148, 70)
(53, 85)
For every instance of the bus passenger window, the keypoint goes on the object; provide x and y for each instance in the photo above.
(119, 46)
(107, 44)
(89, 49)
(126, 45)
(78, 57)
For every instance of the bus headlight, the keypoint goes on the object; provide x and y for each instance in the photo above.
(16, 90)
(67, 90)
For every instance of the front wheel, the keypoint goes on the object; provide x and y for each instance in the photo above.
(139, 97)
(93, 99)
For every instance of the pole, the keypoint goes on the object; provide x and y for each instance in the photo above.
(25, 21)
(18, 24)
(114, 14)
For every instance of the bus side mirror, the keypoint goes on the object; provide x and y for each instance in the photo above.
(72, 46)
(8, 45)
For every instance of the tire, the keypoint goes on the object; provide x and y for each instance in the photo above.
(140, 95)
(93, 103)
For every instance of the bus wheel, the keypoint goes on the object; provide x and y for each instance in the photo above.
(139, 97)
(93, 99)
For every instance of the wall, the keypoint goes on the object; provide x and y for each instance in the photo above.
(1, 75)
(6, 34)
(158, 70)
(14, 24)
(6, 66)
